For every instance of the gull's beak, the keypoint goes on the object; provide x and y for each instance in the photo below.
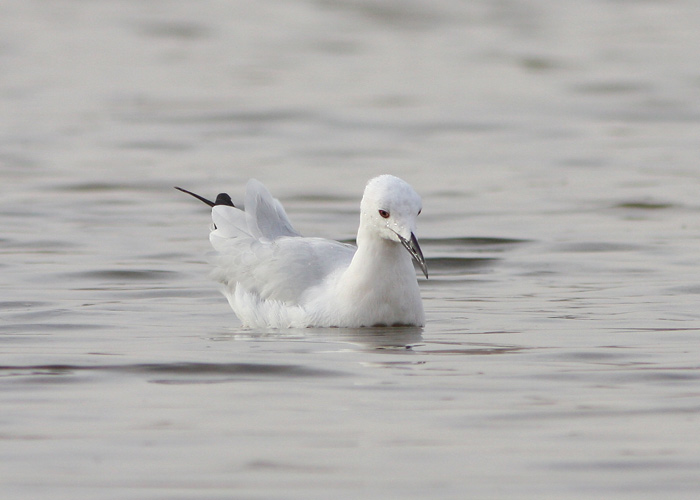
(414, 249)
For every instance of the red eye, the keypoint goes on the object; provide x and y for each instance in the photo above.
(384, 214)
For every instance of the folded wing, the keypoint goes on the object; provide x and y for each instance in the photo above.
(259, 250)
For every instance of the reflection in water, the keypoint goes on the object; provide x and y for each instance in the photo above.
(381, 337)
(374, 338)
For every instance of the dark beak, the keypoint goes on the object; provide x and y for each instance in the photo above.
(414, 249)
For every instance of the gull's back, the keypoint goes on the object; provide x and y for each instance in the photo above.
(265, 265)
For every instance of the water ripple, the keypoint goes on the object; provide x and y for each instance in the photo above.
(121, 275)
(456, 265)
(183, 372)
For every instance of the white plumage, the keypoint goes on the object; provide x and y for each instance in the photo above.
(274, 277)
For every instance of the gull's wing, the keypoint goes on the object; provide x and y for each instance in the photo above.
(265, 214)
(280, 270)
(260, 250)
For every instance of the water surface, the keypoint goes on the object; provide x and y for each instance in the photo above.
(555, 147)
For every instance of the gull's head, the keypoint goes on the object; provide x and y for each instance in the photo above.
(389, 209)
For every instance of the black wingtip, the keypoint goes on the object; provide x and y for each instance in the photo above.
(224, 199)
(221, 198)
(200, 198)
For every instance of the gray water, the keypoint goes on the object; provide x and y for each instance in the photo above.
(555, 145)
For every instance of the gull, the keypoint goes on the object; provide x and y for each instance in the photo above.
(274, 277)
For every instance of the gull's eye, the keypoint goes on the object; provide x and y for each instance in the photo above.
(384, 214)
(419, 211)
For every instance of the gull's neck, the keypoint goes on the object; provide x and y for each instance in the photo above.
(380, 261)
(379, 287)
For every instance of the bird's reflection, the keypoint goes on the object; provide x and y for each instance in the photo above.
(377, 337)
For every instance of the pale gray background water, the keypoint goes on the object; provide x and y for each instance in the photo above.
(556, 147)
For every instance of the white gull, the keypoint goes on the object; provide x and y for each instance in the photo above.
(274, 277)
